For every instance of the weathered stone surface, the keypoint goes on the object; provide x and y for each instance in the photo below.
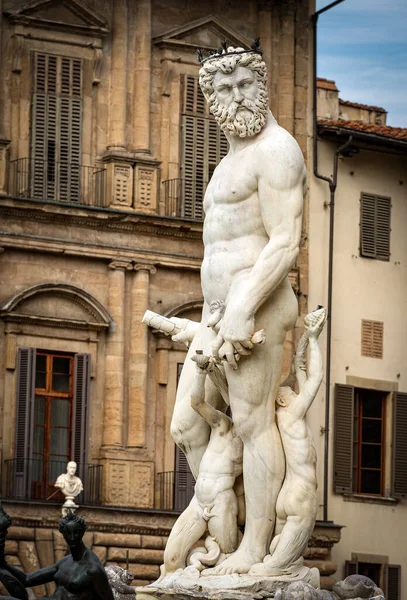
(11, 547)
(21, 533)
(101, 553)
(29, 558)
(325, 567)
(116, 539)
(135, 555)
(152, 541)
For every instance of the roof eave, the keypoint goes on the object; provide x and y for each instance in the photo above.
(370, 139)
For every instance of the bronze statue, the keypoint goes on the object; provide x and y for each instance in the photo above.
(78, 576)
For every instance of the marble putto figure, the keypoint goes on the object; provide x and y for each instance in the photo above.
(257, 459)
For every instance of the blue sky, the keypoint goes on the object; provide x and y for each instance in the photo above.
(362, 45)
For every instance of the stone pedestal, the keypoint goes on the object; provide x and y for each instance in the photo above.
(177, 586)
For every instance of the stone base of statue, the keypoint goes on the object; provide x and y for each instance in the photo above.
(189, 584)
(69, 504)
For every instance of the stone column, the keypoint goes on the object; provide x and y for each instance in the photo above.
(114, 370)
(3, 165)
(138, 357)
(142, 77)
(117, 108)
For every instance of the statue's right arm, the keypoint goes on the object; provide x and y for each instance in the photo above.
(215, 418)
(39, 577)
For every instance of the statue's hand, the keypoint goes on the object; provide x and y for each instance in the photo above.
(314, 322)
(234, 338)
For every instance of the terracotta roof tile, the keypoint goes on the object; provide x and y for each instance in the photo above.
(326, 84)
(397, 133)
(365, 106)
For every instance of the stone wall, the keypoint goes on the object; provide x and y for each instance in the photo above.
(122, 537)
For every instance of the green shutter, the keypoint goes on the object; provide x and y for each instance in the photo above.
(56, 128)
(393, 582)
(343, 438)
(203, 147)
(399, 475)
(24, 418)
(80, 409)
(375, 213)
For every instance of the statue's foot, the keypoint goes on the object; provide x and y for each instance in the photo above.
(265, 569)
(240, 562)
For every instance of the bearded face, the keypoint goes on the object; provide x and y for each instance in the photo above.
(239, 102)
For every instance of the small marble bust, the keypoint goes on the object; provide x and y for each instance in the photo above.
(70, 485)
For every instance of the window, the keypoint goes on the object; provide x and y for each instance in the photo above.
(387, 577)
(52, 424)
(203, 146)
(51, 420)
(56, 117)
(375, 226)
(360, 443)
(372, 339)
(369, 437)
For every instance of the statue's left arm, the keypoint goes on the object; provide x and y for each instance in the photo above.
(281, 185)
(101, 585)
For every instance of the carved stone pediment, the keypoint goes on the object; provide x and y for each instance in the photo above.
(57, 305)
(203, 33)
(67, 15)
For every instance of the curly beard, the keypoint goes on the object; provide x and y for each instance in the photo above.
(243, 125)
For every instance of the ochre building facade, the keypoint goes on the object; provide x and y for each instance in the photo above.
(106, 149)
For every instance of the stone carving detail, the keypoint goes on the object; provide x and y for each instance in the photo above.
(120, 580)
(71, 486)
(146, 181)
(249, 306)
(118, 481)
(129, 479)
(121, 184)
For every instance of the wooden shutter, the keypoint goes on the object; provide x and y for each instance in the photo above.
(56, 128)
(203, 146)
(399, 475)
(393, 582)
(24, 419)
(343, 439)
(351, 567)
(184, 482)
(372, 338)
(375, 212)
(80, 412)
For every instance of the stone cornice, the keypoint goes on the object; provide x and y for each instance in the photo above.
(52, 322)
(108, 220)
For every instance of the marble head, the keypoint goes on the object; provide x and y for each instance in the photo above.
(235, 86)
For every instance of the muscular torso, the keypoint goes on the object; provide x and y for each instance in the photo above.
(234, 234)
(221, 464)
(74, 579)
(298, 447)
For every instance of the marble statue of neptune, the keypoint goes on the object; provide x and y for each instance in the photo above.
(253, 210)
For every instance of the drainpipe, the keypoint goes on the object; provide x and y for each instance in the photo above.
(332, 182)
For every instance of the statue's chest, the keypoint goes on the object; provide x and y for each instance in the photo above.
(233, 181)
(72, 576)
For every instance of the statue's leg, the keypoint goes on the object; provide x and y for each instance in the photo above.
(188, 529)
(12, 584)
(223, 524)
(295, 533)
(252, 389)
(189, 431)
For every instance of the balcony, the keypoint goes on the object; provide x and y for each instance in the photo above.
(33, 479)
(58, 182)
(176, 489)
(183, 198)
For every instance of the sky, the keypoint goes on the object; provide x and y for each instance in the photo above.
(362, 46)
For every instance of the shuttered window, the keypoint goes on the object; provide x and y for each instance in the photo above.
(56, 116)
(375, 226)
(387, 577)
(372, 339)
(51, 419)
(360, 443)
(399, 479)
(203, 146)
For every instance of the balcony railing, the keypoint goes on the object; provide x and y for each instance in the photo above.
(176, 489)
(184, 198)
(33, 479)
(58, 182)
